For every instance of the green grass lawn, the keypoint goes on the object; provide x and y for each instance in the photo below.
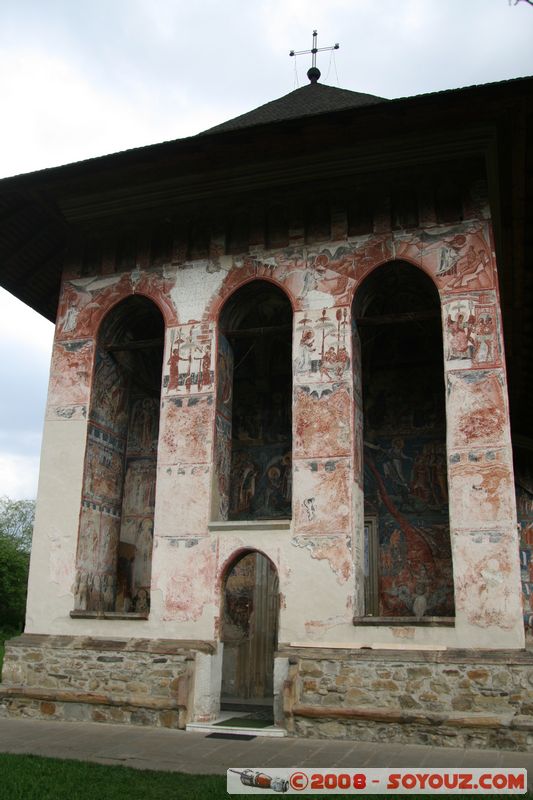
(36, 778)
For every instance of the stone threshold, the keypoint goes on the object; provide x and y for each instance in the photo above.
(242, 525)
(410, 717)
(271, 732)
(133, 615)
(89, 698)
(395, 622)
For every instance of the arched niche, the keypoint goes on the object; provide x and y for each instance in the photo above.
(117, 512)
(400, 407)
(249, 614)
(253, 453)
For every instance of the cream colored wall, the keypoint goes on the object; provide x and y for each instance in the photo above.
(316, 557)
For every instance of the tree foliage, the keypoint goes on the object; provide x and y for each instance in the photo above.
(16, 521)
(16, 526)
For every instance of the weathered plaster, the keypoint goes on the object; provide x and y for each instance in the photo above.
(320, 281)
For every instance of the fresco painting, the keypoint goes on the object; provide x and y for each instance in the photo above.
(192, 484)
(138, 504)
(255, 403)
(109, 398)
(223, 464)
(184, 579)
(223, 426)
(471, 332)
(335, 549)
(481, 482)
(357, 411)
(405, 483)
(95, 582)
(102, 490)
(322, 352)
(190, 366)
(116, 524)
(321, 495)
(259, 471)
(406, 490)
(477, 403)
(69, 390)
(186, 429)
(322, 420)
(85, 301)
(261, 485)
(524, 508)
(460, 257)
(489, 575)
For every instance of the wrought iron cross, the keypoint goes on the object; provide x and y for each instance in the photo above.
(313, 73)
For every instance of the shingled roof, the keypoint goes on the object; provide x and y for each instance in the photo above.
(314, 98)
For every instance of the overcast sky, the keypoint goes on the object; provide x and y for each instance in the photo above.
(80, 78)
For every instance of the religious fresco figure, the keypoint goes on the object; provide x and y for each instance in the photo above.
(120, 467)
(485, 338)
(144, 425)
(244, 474)
(462, 342)
(142, 565)
(204, 373)
(306, 346)
(174, 362)
(141, 602)
(469, 266)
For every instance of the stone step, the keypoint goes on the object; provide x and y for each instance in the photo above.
(212, 727)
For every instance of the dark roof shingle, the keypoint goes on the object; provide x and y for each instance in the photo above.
(314, 98)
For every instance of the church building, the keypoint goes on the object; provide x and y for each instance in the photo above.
(288, 450)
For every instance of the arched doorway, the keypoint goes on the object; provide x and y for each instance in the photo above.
(114, 557)
(408, 562)
(250, 606)
(254, 405)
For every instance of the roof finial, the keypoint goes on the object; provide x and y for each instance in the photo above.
(313, 73)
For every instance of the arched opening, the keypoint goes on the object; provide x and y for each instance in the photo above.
(254, 403)
(250, 605)
(408, 563)
(117, 516)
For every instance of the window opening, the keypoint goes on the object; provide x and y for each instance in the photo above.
(117, 515)
(397, 318)
(254, 405)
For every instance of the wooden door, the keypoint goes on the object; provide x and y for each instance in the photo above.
(249, 632)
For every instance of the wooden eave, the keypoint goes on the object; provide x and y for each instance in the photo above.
(223, 166)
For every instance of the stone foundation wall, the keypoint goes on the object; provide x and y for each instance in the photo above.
(459, 698)
(454, 698)
(133, 681)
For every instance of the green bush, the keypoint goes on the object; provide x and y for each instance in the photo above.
(16, 525)
(14, 564)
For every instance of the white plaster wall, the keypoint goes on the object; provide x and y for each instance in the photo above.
(55, 534)
(207, 683)
(318, 598)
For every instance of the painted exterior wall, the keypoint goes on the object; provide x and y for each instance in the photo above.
(319, 556)
(524, 503)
